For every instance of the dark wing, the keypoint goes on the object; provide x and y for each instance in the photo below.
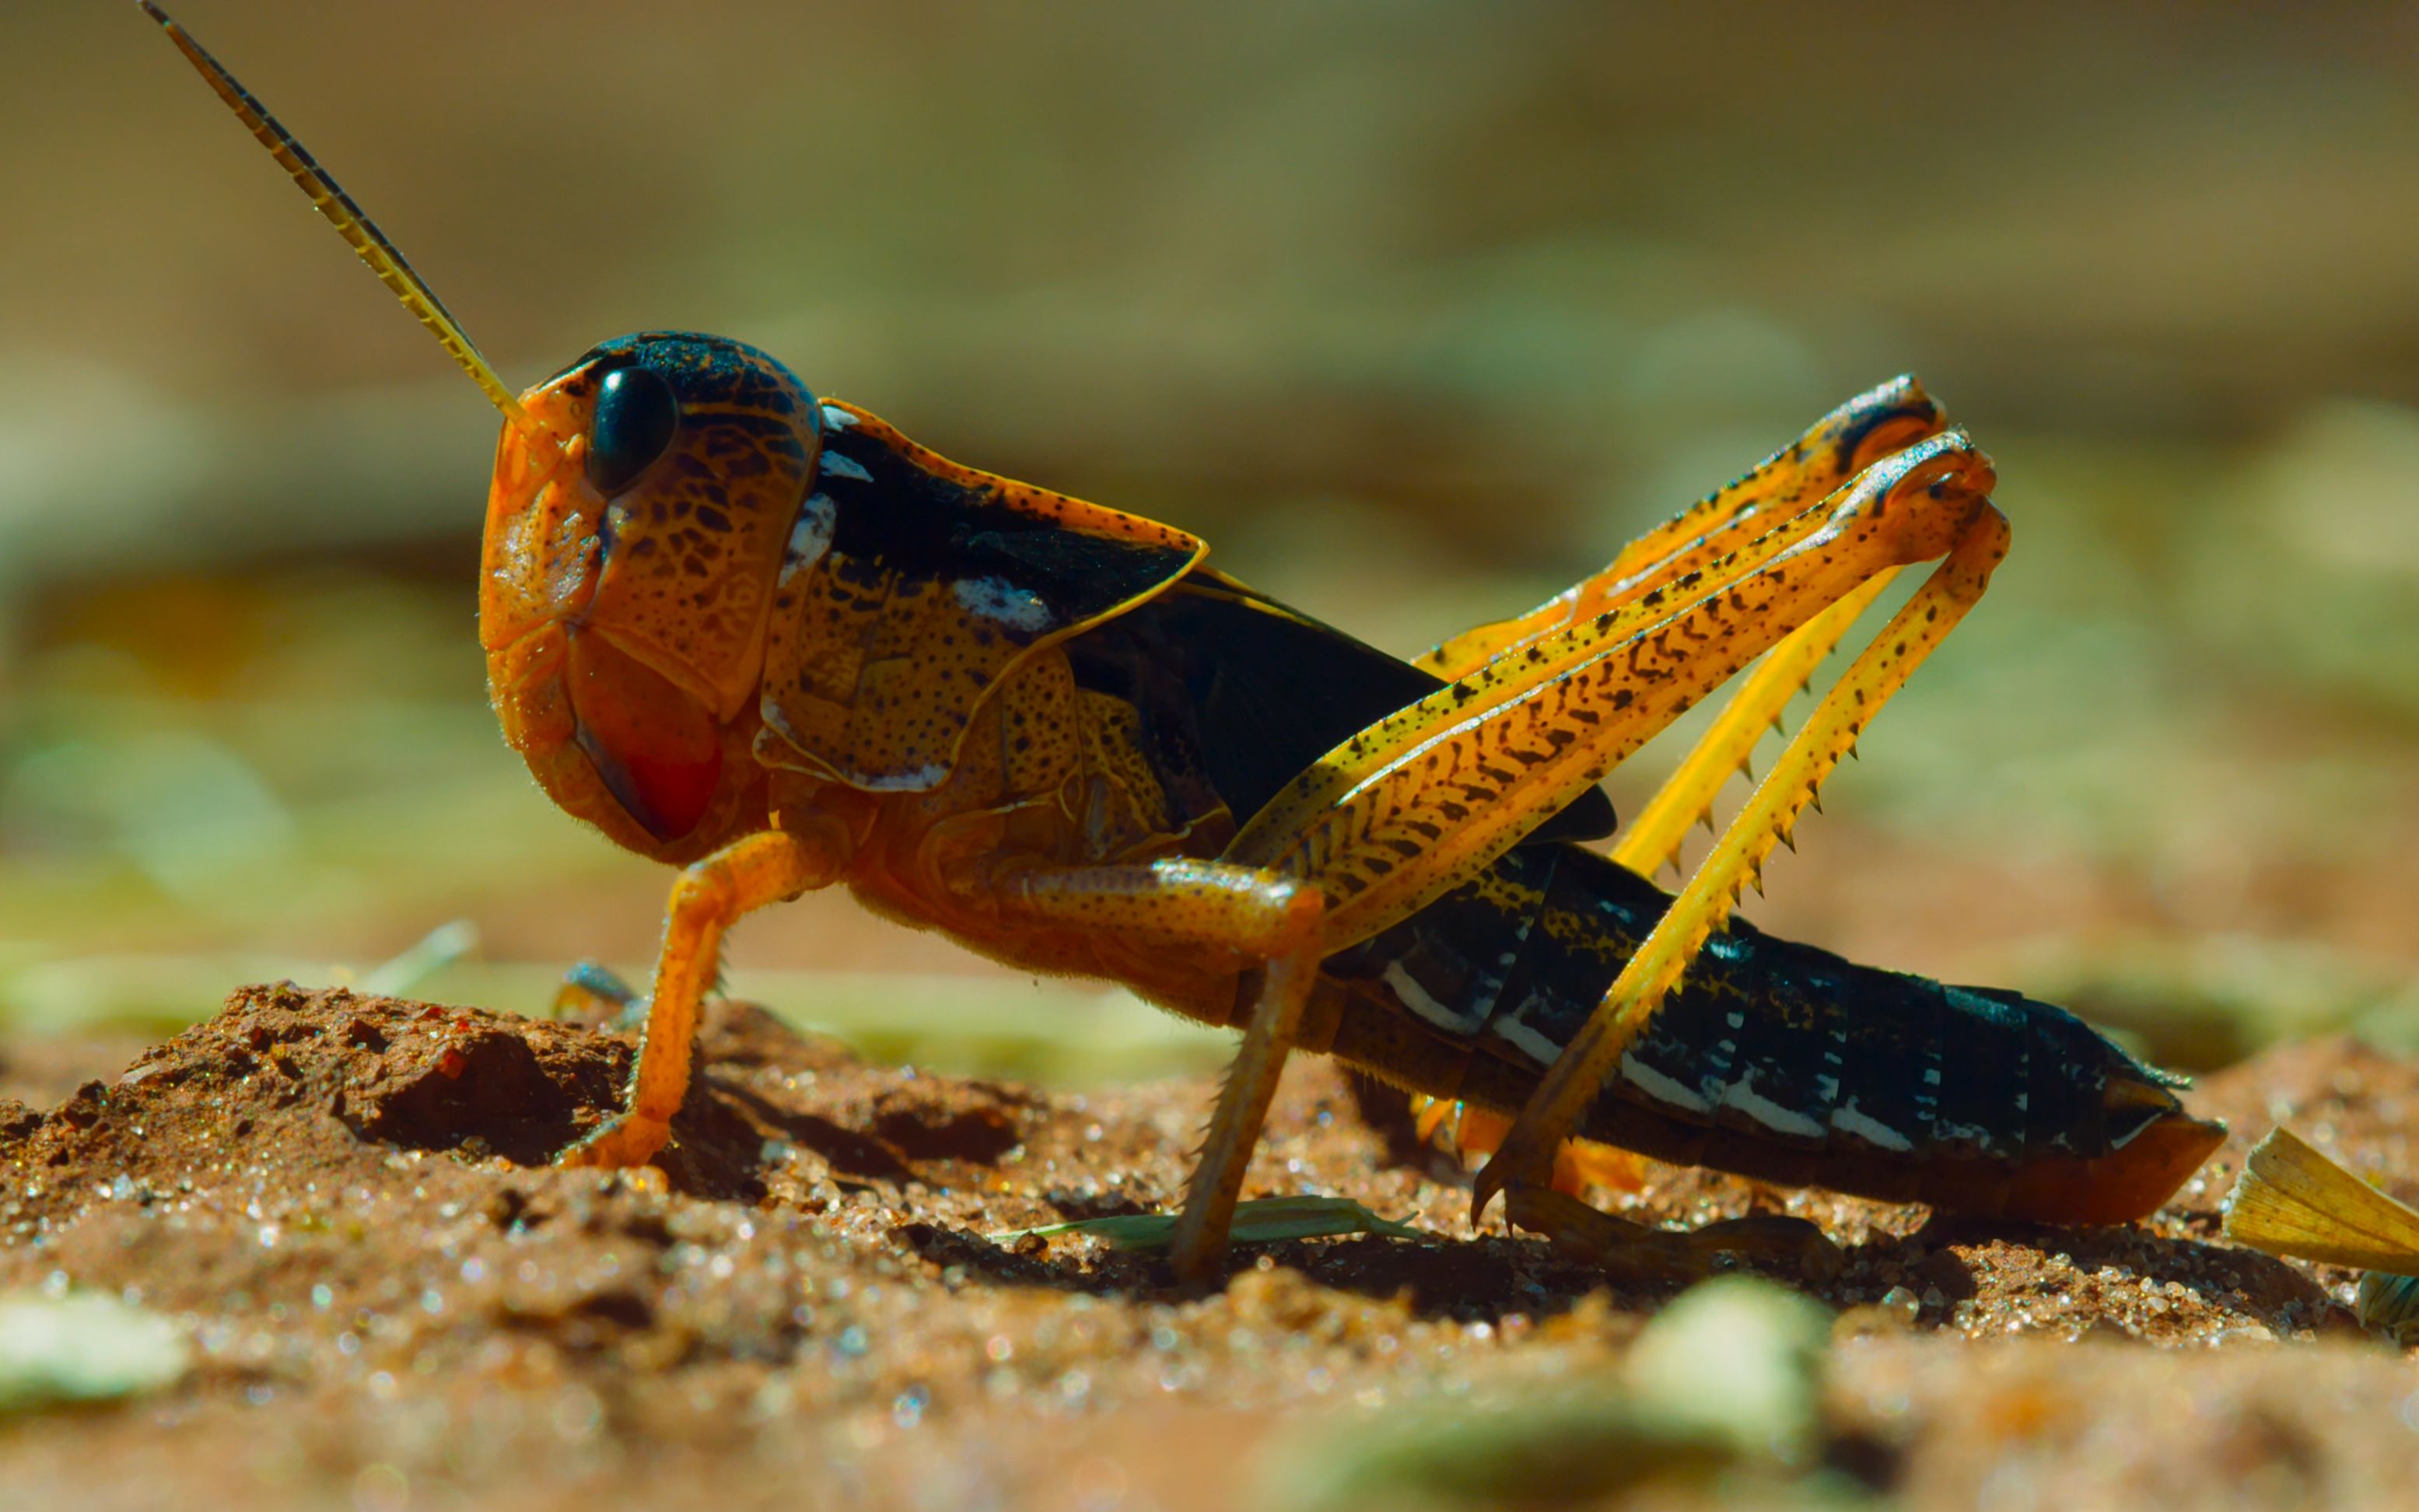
(1252, 691)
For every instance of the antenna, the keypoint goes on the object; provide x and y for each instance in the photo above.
(352, 223)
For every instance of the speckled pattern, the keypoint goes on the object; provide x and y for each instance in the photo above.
(1859, 433)
(936, 580)
(1449, 779)
(802, 1309)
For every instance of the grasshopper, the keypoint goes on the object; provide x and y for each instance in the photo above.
(763, 636)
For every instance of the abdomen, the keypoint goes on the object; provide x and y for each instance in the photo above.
(1774, 1060)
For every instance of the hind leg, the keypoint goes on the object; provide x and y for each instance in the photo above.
(1467, 1132)
(1650, 841)
(1555, 1107)
(1634, 1251)
(1427, 798)
(1873, 425)
(1630, 1251)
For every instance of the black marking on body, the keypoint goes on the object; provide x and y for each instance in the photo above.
(1980, 1100)
(898, 522)
(2064, 1113)
(1786, 1044)
(1256, 692)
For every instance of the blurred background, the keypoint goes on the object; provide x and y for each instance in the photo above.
(1416, 310)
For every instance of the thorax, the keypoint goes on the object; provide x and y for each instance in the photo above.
(1049, 775)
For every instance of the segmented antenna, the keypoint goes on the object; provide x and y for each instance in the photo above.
(352, 223)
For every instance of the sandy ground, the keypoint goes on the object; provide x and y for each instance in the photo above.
(394, 1307)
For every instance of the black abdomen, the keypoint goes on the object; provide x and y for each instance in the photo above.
(1767, 1046)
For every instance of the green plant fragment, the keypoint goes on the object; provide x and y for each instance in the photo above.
(1263, 1221)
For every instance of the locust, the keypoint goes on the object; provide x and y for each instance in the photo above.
(763, 636)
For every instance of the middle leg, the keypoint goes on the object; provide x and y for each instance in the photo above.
(1273, 924)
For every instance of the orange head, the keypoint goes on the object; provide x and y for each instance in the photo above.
(666, 524)
(632, 543)
(641, 503)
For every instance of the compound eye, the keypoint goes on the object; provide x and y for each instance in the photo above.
(635, 415)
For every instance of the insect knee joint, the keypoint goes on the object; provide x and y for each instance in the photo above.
(1294, 921)
(703, 897)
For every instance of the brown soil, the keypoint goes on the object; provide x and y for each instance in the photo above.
(394, 1307)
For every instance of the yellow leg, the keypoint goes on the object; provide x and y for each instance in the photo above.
(1427, 798)
(1630, 1251)
(707, 899)
(1841, 444)
(1652, 839)
(1178, 901)
(1576, 1076)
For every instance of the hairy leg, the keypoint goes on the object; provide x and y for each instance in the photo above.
(709, 897)
(1555, 1107)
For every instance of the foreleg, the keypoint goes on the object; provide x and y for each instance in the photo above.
(709, 897)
